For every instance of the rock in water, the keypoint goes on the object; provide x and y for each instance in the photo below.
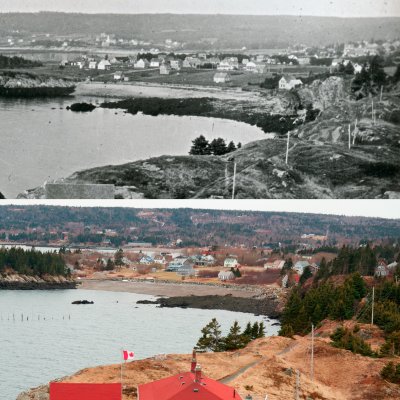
(81, 107)
(82, 302)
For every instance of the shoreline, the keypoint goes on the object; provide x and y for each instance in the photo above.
(268, 301)
(169, 289)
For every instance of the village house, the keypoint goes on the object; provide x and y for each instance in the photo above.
(155, 63)
(146, 260)
(222, 77)
(231, 262)
(229, 64)
(92, 65)
(255, 67)
(104, 65)
(178, 263)
(381, 270)
(289, 82)
(226, 276)
(193, 385)
(159, 259)
(165, 69)
(213, 61)
(118, 76)
(300, 266)
(191, 62)
(141, 64)
(304, 60)
(176, 64)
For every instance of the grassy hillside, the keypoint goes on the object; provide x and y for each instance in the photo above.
(219, 31)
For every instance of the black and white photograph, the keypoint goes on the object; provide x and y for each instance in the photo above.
(217, 99)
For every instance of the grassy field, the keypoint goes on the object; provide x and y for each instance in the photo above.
(198, 77)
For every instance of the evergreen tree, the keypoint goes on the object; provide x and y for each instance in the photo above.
(200, 147)
(118, 258)
(231, 147)
(218, 147)
(305, 275)
(234, 340)
(255, 330)
(110, 265)
(261, 330)
(211, 339)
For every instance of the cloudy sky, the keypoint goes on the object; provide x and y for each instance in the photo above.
(366, 208)
(343, 8)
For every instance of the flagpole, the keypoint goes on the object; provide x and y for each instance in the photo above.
(122, 359)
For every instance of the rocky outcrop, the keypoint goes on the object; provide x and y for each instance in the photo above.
(20, 85)
(323, 94)
(1, 196)
(33, 282)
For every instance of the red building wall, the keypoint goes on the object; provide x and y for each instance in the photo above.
(85, 391)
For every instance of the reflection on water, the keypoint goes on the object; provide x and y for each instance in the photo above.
(41, 140)
(43, 336)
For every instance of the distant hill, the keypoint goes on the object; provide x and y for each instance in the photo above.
(198, 227)
(218, 31)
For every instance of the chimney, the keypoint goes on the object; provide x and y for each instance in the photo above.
(194, 362)
(198, 373)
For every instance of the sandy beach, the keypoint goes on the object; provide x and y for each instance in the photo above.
(166, 289)
(144, 89)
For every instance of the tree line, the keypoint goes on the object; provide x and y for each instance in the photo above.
(17, 62)
(217, 147)
(212, 339)
(32, 262)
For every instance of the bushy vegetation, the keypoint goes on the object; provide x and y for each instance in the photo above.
(391, 372)
(321, 302)
(346, 339)
(32, 262)
(17, 62)
(212, 339)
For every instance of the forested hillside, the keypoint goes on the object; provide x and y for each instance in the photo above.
(208, 31)
(193, 227)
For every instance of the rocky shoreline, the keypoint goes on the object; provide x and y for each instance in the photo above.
(27, 282)
(268, 306)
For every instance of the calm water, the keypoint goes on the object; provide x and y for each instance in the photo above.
(73, 337)
(40, 140)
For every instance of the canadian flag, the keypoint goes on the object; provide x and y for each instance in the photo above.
(128, 355)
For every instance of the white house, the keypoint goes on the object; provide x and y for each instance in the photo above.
(222, 77)
(299, 266)
(229, 64)
(118, 76)
(288, 82)
(104, 65)
(231, 262)
(226, 276)
(381, 270)
(141, 64)
(92, 64)
(165, 69)
(146, 260)
(155, 63)
(176, 64)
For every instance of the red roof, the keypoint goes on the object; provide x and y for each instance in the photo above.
(185, 387)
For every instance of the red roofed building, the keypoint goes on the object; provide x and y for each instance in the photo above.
(187, 386)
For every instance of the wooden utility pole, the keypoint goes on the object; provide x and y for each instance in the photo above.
(381, 94)
(354, 132)
(234, 181)
(372, 111)
(372, 310)
(297, 392)
(349, 136)
(287, 147)
(312, 353)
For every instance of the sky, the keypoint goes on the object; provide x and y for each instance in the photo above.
(365, 208)
(342, 8)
